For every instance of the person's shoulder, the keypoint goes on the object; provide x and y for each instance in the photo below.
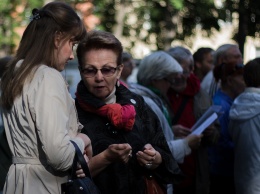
(47, 76)
(45, 70)
(134, 98)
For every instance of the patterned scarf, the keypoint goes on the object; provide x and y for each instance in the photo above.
(121, 116)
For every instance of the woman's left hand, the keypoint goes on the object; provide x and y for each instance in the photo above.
(149, 157)
(79, 171)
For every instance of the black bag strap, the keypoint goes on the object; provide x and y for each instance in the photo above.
(79, 158)
(180, 110)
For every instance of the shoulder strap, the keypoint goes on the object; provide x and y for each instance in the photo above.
(180, 110)
(81, 160)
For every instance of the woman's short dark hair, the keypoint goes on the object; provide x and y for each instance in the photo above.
(99, 40)
(252, 73)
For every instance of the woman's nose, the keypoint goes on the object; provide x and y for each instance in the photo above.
(72, 56)
(99, 75)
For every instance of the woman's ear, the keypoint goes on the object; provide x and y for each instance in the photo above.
(57, 39)
(120, 71)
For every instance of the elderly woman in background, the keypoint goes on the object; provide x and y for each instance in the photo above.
(154, 80)
(126, 135)
(188, 103)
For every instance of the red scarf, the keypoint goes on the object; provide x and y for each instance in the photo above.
(121, 116)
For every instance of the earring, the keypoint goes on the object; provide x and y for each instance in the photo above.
(118, 83)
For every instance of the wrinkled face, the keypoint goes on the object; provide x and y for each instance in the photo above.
(233, 56)
(207, 63)
(95, 62)
(179, 82)
(64, 52)
(163, 85)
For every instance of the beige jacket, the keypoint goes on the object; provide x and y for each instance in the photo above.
(39, 128)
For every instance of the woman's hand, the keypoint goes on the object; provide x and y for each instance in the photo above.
(87, 153)
(149, 157)
(118, 152)
(209, 130)
(114, 153)
(194, 141)
(180, 131)
(79, 171)
(87, 142)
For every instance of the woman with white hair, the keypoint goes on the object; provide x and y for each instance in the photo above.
(154, 79)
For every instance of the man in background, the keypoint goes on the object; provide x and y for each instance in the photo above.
(203, 62)
(226, 53)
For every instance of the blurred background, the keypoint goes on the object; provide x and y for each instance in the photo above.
(144, 26)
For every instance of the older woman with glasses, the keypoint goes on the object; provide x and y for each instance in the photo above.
(127, 139)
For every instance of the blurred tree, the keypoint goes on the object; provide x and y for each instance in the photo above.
(14, 16)
(153, 22)
(248, 12)
(158, 21)
(162, 21)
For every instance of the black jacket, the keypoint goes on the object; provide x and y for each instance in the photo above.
(128, 178)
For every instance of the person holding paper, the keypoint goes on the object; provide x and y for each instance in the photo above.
(245, 132)
(153, 84)
(188, 103)
(221, 156)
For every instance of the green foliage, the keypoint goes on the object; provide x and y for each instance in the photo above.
(105, 10)
(168, 19)
(14, 14)
(177, 4)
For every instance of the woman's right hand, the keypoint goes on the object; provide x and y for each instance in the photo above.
(180, 131)
(118, 152)
(194, 141)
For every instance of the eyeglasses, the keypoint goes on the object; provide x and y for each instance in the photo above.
(106, 71)
(171, 81)
(175, 78)
(237, 67)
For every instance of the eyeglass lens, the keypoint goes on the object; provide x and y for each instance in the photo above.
(106, 71)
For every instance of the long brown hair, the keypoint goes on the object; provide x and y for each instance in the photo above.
(37, 46)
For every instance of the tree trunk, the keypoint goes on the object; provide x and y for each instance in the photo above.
(242, 26)
(120, 16)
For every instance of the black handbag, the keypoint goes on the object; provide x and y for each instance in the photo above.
(77, 185)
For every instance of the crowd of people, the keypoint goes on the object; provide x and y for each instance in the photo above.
(129, 133)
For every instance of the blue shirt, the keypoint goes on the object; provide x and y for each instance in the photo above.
(221, 156)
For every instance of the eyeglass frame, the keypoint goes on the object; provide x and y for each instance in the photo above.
(172, 80)
(236, 67)
(100, 69)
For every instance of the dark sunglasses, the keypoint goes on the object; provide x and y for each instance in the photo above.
(106, 71)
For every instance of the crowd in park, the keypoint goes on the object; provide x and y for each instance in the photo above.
(136, 137)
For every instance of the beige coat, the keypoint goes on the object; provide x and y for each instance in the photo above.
(39, 128)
